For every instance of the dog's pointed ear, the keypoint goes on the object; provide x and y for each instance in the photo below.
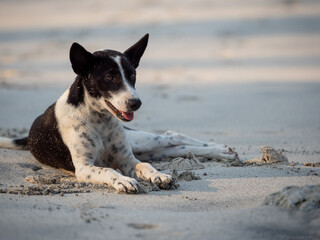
(135, 52)
(81, 60)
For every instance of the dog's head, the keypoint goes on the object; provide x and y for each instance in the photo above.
(109, 77)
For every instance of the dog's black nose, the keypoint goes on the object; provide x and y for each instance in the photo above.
(134, 104)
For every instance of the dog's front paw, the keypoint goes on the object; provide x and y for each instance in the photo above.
(126, 185)
(146, 172)
(164, 181)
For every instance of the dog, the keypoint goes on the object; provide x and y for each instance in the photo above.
(83, 131)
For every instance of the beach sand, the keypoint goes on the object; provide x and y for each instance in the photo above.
(241, 73)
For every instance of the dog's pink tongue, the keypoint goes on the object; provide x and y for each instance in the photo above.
(128, 115)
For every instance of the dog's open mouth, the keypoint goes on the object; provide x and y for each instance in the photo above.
(124, 116)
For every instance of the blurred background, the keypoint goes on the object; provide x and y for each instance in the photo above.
(191, 40)
(224, 70)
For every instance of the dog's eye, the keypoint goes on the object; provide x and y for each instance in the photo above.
(108, 77)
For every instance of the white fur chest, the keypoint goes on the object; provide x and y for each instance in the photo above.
(87, 132)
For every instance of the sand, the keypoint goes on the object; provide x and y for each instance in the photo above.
(245, 74)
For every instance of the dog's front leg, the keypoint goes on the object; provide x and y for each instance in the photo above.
(86, 158)
(101, 175)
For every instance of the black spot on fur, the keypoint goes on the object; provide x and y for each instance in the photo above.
(85, 135)
(88, 155)
(114, 149)
(205, 145)
(109, 137)
(85, 145)
(110, 158)
(124, 165)
(77, 127)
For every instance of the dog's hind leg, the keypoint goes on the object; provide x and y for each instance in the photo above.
(142, 141)
(148, 146)
(211, 152)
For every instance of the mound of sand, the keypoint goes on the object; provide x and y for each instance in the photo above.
(185, 176)
(305, 198)
(180, 163)
(269, 156)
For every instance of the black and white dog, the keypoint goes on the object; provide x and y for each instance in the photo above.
(81, 132)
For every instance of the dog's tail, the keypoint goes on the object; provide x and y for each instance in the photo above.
(19, 143)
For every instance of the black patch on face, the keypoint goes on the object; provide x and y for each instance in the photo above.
(106, 77)
(45, 142)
